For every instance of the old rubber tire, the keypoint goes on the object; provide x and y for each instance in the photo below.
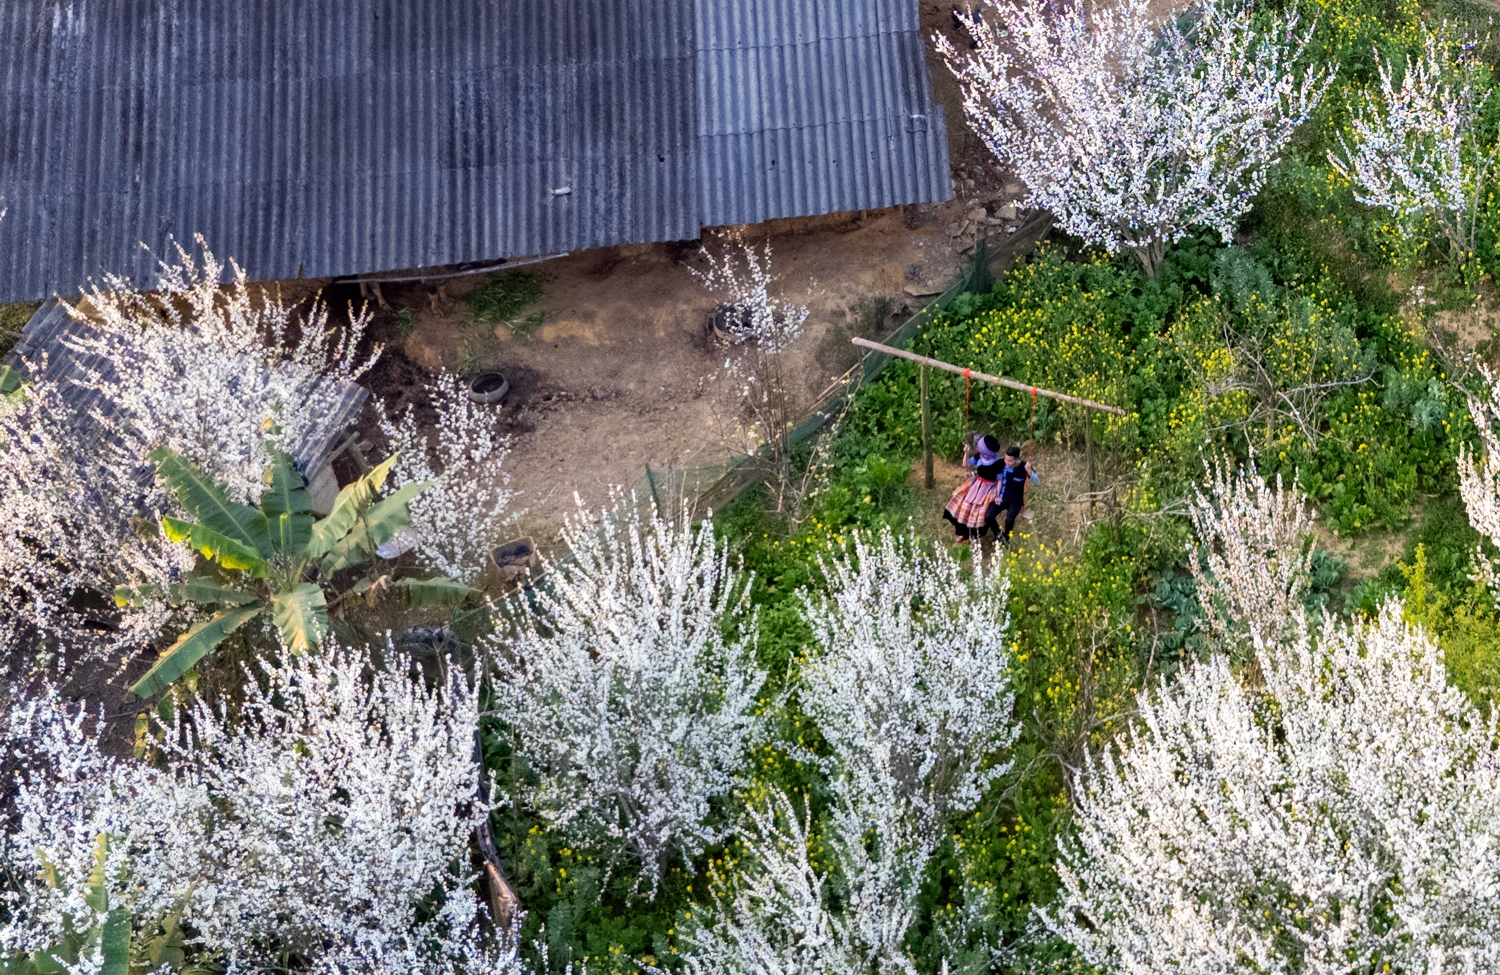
(488, 388)
(728, 324)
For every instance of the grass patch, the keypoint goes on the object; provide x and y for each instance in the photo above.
(500, 299)
(13, 318)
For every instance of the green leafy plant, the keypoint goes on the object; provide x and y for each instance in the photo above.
(277, 559)
(500, 299)
(109, 942)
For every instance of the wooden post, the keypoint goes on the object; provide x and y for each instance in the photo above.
(926, 432)
(1088, 446)
(656, 501)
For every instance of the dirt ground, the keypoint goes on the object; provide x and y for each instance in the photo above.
(623, 373)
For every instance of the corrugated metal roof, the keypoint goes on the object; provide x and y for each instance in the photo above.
(332, 137)
(50, 339)
(814, 106)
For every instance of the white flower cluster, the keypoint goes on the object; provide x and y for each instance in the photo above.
(909, 687)
(459, 518)
(328, 819)
(1415, 152)
(625, 694)
(742, 276)
(210, 370)
(220, 373)
(1255, 563)
(784, 919)
(69, 521)
(1479, 477)
(909, 681)
(1341, 818)
(1129, 129)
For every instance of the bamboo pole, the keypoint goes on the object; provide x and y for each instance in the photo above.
(997, 380)
(926, 432)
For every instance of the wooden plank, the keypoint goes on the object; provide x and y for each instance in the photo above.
(997, 380)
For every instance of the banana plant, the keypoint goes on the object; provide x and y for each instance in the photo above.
(277, 559)
(105, 943)
(108, 946)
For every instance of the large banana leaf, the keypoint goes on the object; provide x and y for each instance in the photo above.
(226, 551)
(382, 521)
(10, 380)
(288, 507)
(437, 591)
(197, 589)
(352, 500)
(113, 936)
(302, 616)
(191, 647)
(208, 502)
(135, 595)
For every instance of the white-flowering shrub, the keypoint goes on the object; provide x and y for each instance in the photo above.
(329, 818)
(1256, 561)
(76, 810)
(1415, 151)
(1343, 818)
(784, 916)
(623, 691)
(220, 373)
(459, 518)
(770, 402)
(1479, 477)
(1132, 129)
(70, 522)
(908, 683)
(742, 276)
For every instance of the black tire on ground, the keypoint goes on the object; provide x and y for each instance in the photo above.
(488, 388)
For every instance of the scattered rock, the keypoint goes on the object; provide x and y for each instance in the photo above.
(1008, 212)
(923, 290)
(955, 229)
(977, 214)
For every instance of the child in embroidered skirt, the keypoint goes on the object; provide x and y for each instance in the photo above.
(968, 509)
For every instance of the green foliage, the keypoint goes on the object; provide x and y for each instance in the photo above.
(500, 301)
(502, 297)
(275, 559)
(13, 319)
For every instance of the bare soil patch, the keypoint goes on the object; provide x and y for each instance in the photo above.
(623, 373)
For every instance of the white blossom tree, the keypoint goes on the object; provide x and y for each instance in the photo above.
(327, 819)
(1253, 563)
(1130, 129)
(624, 692)
(70, 522)
(908, 682)
(459, 517)
(1343, 817)
(783, 918)
(763, 326)
(1415, 151)
(1479, 476)
(220, 373)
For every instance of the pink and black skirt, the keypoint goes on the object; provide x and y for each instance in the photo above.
(970, 503)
